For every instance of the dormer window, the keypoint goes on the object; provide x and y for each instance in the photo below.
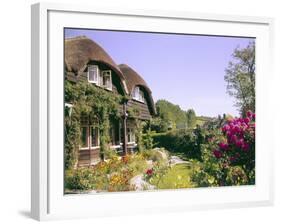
(106, 81)
(93, 74)
(100, 78)
(138, 94)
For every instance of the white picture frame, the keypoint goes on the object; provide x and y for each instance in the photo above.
(48, 201)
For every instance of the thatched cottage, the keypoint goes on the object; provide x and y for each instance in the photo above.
(86, 60)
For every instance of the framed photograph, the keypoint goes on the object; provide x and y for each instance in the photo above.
(138, 111)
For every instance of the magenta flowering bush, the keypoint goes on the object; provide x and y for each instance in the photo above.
(238, 145)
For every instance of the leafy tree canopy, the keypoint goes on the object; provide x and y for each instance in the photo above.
(191, 118)
(170, 113)
(240, 78)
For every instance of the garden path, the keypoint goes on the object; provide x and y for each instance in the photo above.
(140, 184)
(177, 160)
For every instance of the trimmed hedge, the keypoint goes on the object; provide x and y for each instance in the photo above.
(184, 142)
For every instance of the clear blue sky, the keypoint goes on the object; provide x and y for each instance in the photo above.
(187, 70)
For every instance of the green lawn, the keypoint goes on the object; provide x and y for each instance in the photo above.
(177, 176)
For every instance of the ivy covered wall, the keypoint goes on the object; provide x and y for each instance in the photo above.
(98, 105)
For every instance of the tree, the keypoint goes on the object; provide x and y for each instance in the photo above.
(191, 118)
(240, 78)
(170, 116)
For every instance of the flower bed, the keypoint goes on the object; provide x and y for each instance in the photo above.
(115, 174)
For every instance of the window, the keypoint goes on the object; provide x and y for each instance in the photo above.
(94, 136)
(141, 96)
(114, 133)
(93, 74)
(106, 79)
(100, 78)
(138, 94)
(131, 135)
(84, 137)
(89, 137)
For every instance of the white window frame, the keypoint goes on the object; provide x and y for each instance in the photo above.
(141, 96)
(131, 132)
(138, 94)
(106, 73)
(97, 75)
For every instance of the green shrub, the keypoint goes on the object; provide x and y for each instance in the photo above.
(147, 140)
(206, 174)
(203, 179)
(137, 164)
(110, 153)
(236, 176)
(186, 142)
(80, 179)
(156, 155)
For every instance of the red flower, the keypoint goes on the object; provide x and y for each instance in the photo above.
(149, 172)
(217, 153)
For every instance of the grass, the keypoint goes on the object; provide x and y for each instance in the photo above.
(178, 176)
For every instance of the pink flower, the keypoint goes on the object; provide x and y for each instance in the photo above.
(249, 114)
(217, 153)
(236, 129)
(247, 120)
(240, 143)
(245, 147)
(233, 139)
(223, 146)
(229, 134)
(253, 116)
(225, 128)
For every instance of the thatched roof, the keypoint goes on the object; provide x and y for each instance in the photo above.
(133, 79)
(79, 51)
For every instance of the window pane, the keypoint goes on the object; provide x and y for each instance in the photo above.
(107, 79)
(117, 133)
(84, 137)
(133, 136)
(114, 133)
(136, 92)
(129, 134)
(111, 134)
(141, 96)
(94, 136)
(93, 73)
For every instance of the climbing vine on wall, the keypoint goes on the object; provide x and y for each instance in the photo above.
(98, 105)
